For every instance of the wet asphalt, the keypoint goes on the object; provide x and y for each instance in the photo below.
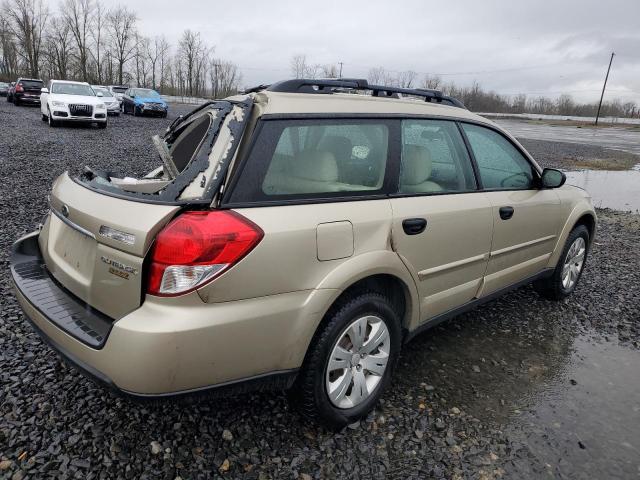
(520, 388)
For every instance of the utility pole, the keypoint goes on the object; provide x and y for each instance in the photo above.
(340, 75)
(603, 87)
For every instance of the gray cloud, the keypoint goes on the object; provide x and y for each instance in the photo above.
(533, 47)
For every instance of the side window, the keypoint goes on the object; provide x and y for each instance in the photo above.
(434, 158)
(501, 165)
(315, 158)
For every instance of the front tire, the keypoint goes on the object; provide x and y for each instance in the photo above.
(569, 269)
(52, 123)
(350, 361)
(102, 124)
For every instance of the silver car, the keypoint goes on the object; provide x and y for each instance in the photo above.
(109, 98)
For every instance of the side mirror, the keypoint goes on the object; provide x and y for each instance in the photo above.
(44, 90)
(99, 94)
(132, 96)
(552, 178)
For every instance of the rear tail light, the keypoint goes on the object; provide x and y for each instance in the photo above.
(196, 247)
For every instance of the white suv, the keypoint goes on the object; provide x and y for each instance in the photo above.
(65, 101)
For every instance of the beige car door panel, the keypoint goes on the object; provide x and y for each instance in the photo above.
(449, 258)
(523, 243)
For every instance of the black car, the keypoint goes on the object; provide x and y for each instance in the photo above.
(27, 90)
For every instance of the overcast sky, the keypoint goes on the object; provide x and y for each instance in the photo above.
(533, 47)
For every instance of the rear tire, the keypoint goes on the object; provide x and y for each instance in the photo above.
(569, 268)
(44, 117)
(16, 101)
(363, 331)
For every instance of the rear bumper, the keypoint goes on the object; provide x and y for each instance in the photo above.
(181, 345)
(22, 98)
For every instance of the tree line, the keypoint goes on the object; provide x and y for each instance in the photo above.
(85, 41)
(474, 96)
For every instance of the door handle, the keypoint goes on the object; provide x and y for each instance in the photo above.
(414, 226)
(506, 213)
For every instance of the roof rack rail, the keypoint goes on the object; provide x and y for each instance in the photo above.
(331, 85)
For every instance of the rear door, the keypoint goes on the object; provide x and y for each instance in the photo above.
(317, 187)
(441, 223)
(526, 218)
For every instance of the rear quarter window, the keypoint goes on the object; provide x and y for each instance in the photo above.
(306, 159)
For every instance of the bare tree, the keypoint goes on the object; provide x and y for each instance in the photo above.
(432, 82)
(299, 66)
(380, 76)
(78, 14)
(97, 35)
(27, 19)
(330, 70)
(59, 49)
(9, 57)
(225, 78)
(141, 59)
(122, 27)
(406, 79)
(193, 53)
(157, 52)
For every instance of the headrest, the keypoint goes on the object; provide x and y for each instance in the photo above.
(315, 165)
(340, 146)
(416, 165)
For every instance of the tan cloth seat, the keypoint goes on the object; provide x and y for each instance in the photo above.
(311, 171)
(416, 171)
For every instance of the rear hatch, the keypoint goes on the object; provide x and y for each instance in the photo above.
(101, 225)
(31, 87)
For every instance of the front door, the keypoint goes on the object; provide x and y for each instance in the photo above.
(525, 217)
(441, 223)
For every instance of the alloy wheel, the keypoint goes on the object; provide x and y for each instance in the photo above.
(573, 263)
(358, 362)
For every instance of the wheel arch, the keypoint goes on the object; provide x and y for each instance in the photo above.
(380, 271)
(582, 214)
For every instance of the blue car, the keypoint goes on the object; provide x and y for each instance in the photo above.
(144, 101)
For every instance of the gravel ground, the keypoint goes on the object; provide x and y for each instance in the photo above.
(478, 397)
(574, 156)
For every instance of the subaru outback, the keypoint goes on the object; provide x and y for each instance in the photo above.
(295, 237)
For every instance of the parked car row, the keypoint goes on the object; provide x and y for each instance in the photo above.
(70, 101)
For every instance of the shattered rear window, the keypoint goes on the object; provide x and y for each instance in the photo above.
(194, 156)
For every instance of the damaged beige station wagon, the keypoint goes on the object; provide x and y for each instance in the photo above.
(295, 237)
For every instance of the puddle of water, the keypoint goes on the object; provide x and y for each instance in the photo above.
(619, 190)
(567, 401)
(586, 421)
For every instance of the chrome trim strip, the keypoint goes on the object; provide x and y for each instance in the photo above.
(522, 245)
(458, 263)
(69, 223)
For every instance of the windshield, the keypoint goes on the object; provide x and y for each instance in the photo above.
(72, 89)
(145, 92)
(104, 91)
